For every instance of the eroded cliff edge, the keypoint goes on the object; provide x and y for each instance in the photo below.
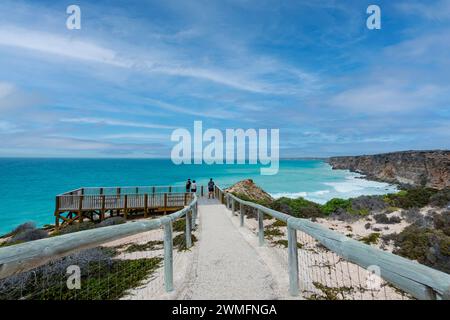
(412, 168)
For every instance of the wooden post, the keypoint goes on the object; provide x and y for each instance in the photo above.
(188, 229)
(146, 206)
(201, 191)
(170, 189)
(57, 203)
(233, 204)
(57, 206)
(56, 221)
(101, 190)
(241, 209)
(168, 257)
(118, 191)
(125, 205)
(80, 209)
(261, 227)
(293, 261)
(165, 203)
(137, 190)
(153, 189)
(102, 214)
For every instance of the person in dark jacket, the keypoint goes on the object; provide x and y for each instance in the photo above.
(188, 185)
(211, 188)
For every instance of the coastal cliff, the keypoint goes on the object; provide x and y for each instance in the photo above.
(412, 168)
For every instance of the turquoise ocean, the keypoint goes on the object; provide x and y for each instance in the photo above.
(28, 186)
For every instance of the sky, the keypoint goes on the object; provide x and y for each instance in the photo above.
(137, 70)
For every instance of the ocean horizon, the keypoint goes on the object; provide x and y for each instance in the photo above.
(29, 185)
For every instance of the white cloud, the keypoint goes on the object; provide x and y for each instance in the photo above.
(438, 10)
(58, 45)
(6, 89)
(114, 122)
(12, 98)
(388, 97)
(166, 61)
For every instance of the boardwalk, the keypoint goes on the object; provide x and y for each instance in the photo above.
(227, 266)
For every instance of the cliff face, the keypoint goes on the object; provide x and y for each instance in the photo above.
(414, 168)
(250, 190)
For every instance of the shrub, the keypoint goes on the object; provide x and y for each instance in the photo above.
(112, 221)
(382, 218)
(442, 222)
(406, 199)
(441, 198)
(428, 246)
(179, 225)
(371, 238)
(77, 227)
(29, 235)
(299, 207)
(24, 227)
(179, 242)
(151, 245)
(334, 204)
(368, 203)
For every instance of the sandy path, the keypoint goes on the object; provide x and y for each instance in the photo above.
(227, 266)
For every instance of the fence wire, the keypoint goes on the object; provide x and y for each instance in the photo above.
(323, 275)
(128, 268)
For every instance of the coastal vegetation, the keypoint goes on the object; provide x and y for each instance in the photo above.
(103, 277)
(424, 234)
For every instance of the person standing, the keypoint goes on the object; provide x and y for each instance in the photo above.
(194, 187)
(211, 189)
(188, 185)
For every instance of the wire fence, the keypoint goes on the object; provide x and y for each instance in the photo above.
(323, 275)
(128, 268)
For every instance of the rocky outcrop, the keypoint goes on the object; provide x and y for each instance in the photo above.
(412, 168)
(248, 190)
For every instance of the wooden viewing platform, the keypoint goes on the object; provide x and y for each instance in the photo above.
(96, 204)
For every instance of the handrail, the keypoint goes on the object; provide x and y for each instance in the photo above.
(24, 257)
(420, 281)
(67, 193)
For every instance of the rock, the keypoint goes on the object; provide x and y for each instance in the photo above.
(248, 190)
(413, 168)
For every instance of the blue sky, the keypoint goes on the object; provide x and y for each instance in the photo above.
(139, 69)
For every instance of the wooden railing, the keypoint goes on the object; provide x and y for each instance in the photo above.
(23, 257)
(420, 281)
(130, 201)
(124, 190)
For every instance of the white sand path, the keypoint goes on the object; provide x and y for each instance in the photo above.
(227, 265)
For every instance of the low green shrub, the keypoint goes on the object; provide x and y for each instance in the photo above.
(334, 204)
(299, 207)
(371, 238)
(413, 198)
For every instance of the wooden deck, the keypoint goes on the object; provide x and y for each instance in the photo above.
(96, 204)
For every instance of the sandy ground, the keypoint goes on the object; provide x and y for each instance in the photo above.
(227, 265)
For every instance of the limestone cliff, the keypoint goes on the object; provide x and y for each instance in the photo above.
(250, 191)
(413, 168)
